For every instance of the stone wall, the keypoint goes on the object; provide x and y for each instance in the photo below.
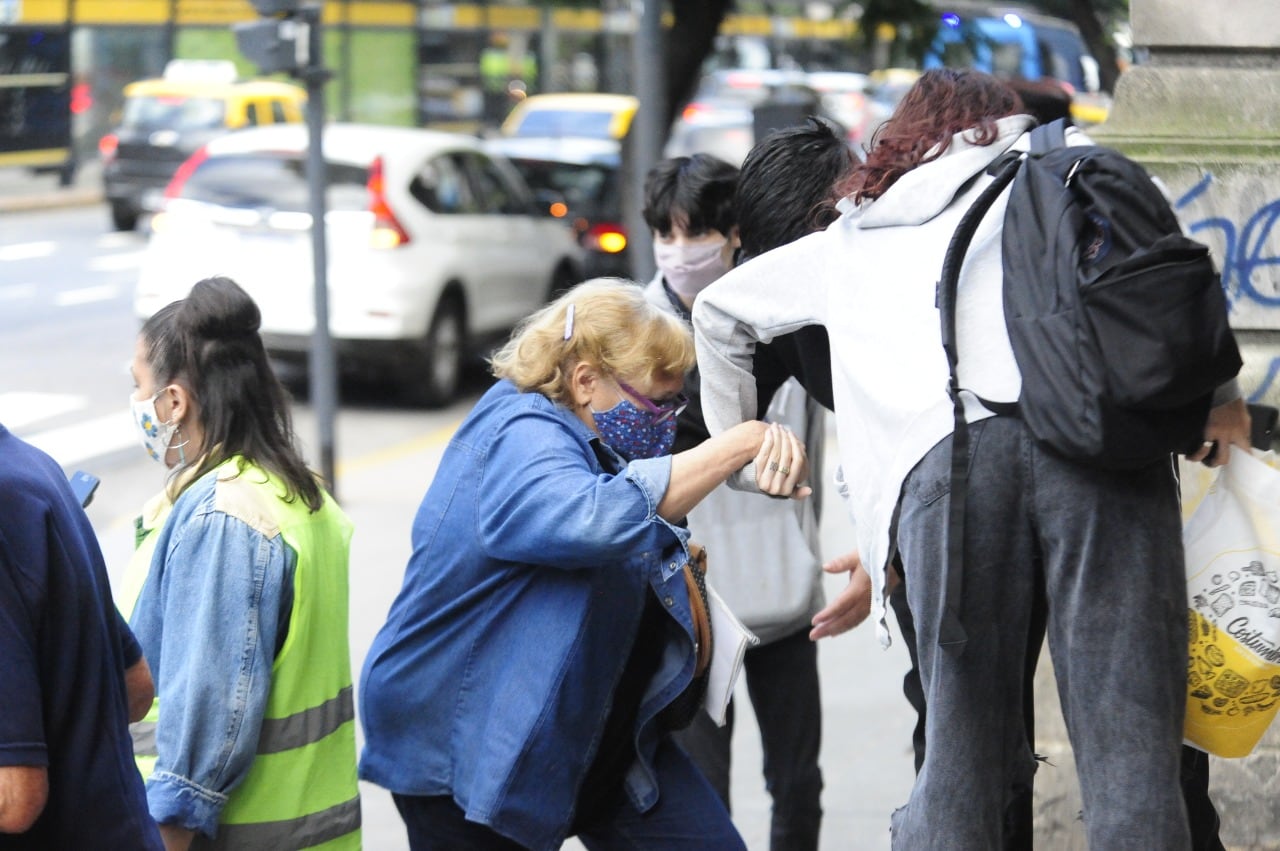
(1203, 114)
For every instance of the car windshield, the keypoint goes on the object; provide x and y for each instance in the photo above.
(585, 188)
(174, 112)
(565, 122)
(274, 181)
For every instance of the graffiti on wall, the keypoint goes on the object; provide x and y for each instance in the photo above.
(1248, 252)
(1246, 244)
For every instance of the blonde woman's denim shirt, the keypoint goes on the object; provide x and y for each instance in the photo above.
(209, 619)
(533, 552)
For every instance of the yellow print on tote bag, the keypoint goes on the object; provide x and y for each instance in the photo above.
(1232, 541)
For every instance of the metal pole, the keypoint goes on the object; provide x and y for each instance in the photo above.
(344, 85)
(647, 133)
(171, 31)
(324, 377)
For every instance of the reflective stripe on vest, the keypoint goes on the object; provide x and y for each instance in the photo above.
(302, 832)
(307, 726)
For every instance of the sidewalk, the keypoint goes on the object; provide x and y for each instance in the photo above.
(22, 190)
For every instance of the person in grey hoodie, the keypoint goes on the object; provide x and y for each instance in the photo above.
(1105, 544)
(764, 556)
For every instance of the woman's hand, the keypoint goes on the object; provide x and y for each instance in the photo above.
(781, 464)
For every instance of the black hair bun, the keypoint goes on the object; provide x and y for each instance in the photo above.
(219, 309)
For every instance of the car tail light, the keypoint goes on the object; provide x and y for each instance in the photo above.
(608, 237)
(107, 147)
(387, 230)
(188, 167)
(692, 110)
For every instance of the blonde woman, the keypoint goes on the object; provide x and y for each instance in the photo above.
(516, 694)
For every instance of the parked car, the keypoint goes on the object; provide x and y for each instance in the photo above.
(577, 180)
(579, 114)
(435, 248)
(844, 98)
(734, 107)
(165, 120)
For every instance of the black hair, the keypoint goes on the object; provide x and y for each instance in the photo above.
(695, 192)
(209, 342)
(787, 187)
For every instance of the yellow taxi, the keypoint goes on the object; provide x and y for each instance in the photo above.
(165, 120)
(582, 115)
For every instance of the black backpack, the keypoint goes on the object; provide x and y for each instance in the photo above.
(1117, 320)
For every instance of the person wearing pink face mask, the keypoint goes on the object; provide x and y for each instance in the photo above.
(688, 204)
(764, 557)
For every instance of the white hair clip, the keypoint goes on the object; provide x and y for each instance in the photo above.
(568, 321)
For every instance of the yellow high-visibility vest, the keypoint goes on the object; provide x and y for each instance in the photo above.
(301, 790)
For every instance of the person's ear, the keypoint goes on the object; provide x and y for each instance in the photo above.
(582, 383)
(180, 402)
(728, 254)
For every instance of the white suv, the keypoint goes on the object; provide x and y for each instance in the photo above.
(435, 247)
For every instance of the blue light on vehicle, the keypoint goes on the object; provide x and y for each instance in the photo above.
(951, 19)
(1012, 20)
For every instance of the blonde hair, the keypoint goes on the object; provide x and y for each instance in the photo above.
(612, 326)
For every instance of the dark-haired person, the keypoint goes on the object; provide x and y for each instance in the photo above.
(766, 559)
(688, 205)
(240, 579)
(73, 673)
(1105, 544)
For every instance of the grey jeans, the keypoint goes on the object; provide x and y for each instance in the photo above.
(1108, 548)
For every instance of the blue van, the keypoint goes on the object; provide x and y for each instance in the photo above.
(1015, 43)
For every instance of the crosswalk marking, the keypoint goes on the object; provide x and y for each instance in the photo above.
(74, 444)
(116, 239)
(86, 295)
(27, 250)
(116, 262)
(14, 292)
(19, 409)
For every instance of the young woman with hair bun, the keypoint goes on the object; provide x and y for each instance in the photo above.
(238, 594)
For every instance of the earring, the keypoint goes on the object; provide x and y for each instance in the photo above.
(182, 452)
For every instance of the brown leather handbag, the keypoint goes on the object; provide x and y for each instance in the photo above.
(695, 579)
(681, 711)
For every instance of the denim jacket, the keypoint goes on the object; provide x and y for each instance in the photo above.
(533, 552)
(218, 590)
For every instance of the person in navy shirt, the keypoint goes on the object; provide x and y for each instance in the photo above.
(73, 674)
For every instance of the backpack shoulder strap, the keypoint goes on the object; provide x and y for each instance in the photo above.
(1047, 137)
(951, 633)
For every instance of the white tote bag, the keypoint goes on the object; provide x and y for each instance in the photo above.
(1232, 541)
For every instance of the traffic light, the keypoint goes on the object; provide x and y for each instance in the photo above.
(276, 44)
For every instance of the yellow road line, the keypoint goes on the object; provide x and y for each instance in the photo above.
(432, 440)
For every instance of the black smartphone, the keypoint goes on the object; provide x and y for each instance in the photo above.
(83, 485)
(1264, 424)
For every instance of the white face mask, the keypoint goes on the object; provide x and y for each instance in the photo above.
(689, 269)
(156, 435)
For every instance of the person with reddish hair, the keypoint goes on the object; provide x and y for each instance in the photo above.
(1100, 548)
